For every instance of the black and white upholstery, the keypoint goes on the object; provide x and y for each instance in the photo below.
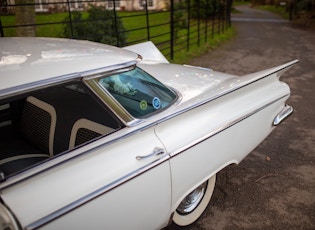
(37, 127)
(76, 109)
(53, 121)
(85, 130)
(38, 124)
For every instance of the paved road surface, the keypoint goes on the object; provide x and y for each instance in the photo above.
(274, 187)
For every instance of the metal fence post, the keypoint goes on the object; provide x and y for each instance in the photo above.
(206, 28)
(188, 25)
(147, 19)
(213, 18)
(223, 15)
(291, 5)
(1, 29)
(172, 30)
(198, 5)
(115, 23)
(228, 13)
(70, 19)
(219, 19)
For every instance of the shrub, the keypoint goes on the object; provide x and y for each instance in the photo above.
(205, 8)
(99, 26)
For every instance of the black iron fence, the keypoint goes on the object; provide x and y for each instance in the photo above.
(173, 25)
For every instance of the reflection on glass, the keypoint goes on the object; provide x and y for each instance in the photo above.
(138, 92)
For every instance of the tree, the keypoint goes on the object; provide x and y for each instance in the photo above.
(25, 15)
(205, 8)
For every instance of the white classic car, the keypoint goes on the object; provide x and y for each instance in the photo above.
(99, 137)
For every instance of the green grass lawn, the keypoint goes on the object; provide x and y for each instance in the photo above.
(135, 24)
(50, 25)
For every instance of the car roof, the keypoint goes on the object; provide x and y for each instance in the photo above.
(26, 61)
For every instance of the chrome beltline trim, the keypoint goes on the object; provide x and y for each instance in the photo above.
(4, 93)
(134, 174)
(47, 219)
(222, 128)
(20, 177)
(28, 87)
(122, 180)
(63, 158)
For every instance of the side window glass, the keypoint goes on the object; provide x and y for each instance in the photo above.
(138, 92)
(45, 123)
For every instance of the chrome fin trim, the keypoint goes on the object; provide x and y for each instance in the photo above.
(222, 128)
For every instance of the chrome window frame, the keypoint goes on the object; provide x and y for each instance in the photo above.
(107, 98)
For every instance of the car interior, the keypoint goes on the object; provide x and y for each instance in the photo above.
(51, 121)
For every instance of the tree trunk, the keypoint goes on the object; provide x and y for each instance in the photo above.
(25, 15)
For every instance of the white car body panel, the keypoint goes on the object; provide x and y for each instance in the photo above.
(59, 188)
(204, 147)
(138, 209)
(56, 58)
(217, 120)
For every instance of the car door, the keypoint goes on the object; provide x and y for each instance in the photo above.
(121, 185)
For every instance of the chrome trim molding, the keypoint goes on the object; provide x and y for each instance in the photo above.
(61, 159)
(285, 113)
(91, 74)
(62, 211)
(133, 174)
(222, 94)
(220, 129)
(20, 177)
(122, 180)
(28, 87)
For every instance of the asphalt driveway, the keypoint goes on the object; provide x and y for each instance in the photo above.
(274, 187)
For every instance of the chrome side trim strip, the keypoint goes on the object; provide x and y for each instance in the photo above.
(285, 112)
(32, 172)
(62, 211)
(228, 91)
(222, 128)
(118, 182)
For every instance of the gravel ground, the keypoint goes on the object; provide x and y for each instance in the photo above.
(274, 186)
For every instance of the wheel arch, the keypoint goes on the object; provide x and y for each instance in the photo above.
(177, 200)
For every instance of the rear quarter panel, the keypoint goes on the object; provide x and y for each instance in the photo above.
(223, 131)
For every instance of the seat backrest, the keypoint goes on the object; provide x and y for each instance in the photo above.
(38, 123)
(71, 105)
(85, 130)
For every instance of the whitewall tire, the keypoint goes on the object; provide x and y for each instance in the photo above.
(194, 204)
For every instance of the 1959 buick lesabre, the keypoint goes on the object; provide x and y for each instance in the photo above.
(99, 137)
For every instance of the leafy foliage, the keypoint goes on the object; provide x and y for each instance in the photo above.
(99, 26)
(305, 5)
(205, 8)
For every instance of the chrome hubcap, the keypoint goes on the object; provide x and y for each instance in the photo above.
(192, 200)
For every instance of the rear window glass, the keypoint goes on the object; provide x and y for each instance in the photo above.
(138, 92)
